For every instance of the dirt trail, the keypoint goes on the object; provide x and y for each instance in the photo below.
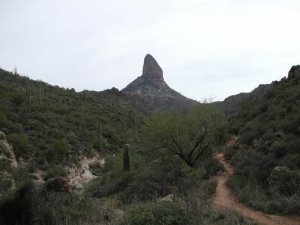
(224, 198)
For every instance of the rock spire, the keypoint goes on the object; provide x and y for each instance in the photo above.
(151, 67)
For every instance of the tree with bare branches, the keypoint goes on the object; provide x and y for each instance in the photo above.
(189, 136)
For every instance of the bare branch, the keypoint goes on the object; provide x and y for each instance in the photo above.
(201, 153)
(180, 153)
(199, 142)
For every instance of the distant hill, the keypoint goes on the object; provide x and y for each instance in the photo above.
(232, 104)
(268, 99)
(150, 91)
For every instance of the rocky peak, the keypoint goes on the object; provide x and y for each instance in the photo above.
(151, 67)
(150, 91)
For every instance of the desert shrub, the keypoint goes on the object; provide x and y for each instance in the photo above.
(58, 151)
(164, 213)
(17, 209)
(212, 167)
(292, 161)
(229, 153)
(5, 184)
(148, 180)
(288, 144)
(253, 165)
(260, 184)
(20, 144)
(195, 213)
(96, 169)
(32, 205)
(21, 177)
(4, 164)
(55, 171)
(284, 181)
(143, 189)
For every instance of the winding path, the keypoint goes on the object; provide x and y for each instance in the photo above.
(224, 198)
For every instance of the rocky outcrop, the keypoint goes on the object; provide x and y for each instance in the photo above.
(6, 151)
(82, 175)
(168, 198)
(151, 93)
(294, 72)
(151, 67)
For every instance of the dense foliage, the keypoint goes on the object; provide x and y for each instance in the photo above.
(267, 156)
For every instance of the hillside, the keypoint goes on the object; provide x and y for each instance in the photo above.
(233, 104)
(48, 125)
(150, 91)
(163, 174)
(267, 156)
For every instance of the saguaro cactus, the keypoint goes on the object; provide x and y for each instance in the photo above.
(126, 160)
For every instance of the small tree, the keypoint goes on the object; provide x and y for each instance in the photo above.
(189, 136)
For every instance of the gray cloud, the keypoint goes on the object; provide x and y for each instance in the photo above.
(206, 48)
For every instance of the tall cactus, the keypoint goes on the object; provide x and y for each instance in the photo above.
(126, 160)
(29, 99)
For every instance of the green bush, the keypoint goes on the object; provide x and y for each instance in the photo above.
(163, 213)
(55, 171)
(20, 144)
(5, 184)
(4, 164)
(284, 181)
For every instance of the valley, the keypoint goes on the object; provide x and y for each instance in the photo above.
(147, 154)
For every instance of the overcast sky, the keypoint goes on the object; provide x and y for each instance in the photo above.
(206, 48)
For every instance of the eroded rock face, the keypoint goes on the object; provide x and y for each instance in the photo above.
(6, 150)
(151, 67)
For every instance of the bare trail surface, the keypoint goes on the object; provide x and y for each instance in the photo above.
(224, 198)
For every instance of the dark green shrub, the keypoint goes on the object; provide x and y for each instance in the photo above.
(212, 167)
(55, 171)
(283, 181)
(5, 184)
(163, 213)
(20, 144)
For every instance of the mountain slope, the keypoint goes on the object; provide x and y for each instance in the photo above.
(233, 104)
(151, 92)
(50, 125)
(267, 156)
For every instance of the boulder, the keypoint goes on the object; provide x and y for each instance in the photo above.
(168, 198)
